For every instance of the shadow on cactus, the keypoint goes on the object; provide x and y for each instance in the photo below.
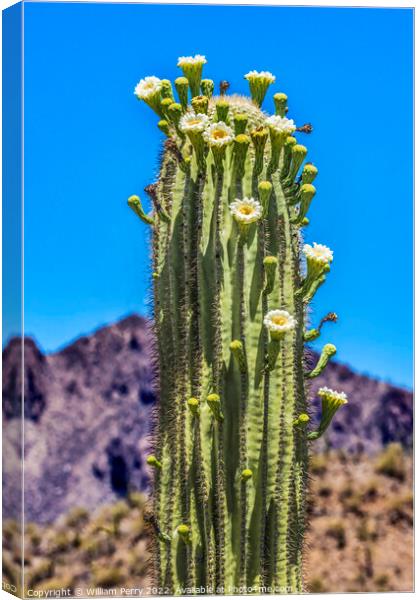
(230, 303)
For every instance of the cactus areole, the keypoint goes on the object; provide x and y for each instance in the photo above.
(232, 281)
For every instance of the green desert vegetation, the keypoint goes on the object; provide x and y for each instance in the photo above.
(372, 544)
(232, 282)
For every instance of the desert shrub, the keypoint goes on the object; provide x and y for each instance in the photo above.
(400, 509)
(316, 586)
(371, 489)
(367, 530)
(382, 582)
(60, 541)
(108, 577)
(77, 517)
(136, 500)
(95, 547)
(337, 531)
(391, 462)
(42, 568)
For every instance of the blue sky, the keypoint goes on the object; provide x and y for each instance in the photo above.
(90, 144)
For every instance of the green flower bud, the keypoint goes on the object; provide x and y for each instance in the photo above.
(240, 122)
(165, 104)
(153, 461)
(306, 192)
(287, 155)
(246, 474)
(175, 113)
(302, 420)
(200, 104)
(264, 191)
(280, 102)
(309, 173)
(134, 203)
(213, 400)
(238, 352)
(181, 84)
(259, 138)
(240, 150)
(327, 352)
(207, 87)
(194, 406)
(164, 127)
(184, 533)
(298, 156)
(270, 268)
(166, 90)
(222, 110)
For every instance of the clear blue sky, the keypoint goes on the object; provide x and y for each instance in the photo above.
(90, 144)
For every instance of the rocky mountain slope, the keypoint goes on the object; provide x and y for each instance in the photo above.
(89, 409)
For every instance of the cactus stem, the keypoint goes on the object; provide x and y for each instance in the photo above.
(231, 454)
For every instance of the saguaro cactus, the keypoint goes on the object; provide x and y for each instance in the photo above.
(230, 299)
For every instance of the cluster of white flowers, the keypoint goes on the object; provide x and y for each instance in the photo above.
(246, 210)
(148, 87)
(218, 134)
(281, 124)
(198, 59)
(279, 321)
(192, 122)
(318, 253)
(329, 394)
(265, 76)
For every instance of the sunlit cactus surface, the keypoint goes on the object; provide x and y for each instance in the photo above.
(232, 282)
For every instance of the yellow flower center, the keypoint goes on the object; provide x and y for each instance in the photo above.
(279, 320)
(246, 210)
(219, 134)
(194, 122)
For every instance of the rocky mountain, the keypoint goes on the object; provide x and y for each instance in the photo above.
(89, 408)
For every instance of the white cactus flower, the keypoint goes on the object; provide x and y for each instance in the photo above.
(198, 59)
(193, 123)
(279, 322)
(148, 87)
(246, 210)
(265, 76)
(318, 253)
(332, 396)
(281, 124)
(218, 134)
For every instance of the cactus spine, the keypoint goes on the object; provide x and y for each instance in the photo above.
(230, 299)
